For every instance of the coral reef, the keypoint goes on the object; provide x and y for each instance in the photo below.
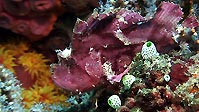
(99, 55)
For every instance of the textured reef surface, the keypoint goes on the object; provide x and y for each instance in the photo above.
(99, 55)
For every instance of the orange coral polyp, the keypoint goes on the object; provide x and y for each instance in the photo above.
(34, 63)
(47, 94)
(6, 58)
(17, 48)
(17, 55)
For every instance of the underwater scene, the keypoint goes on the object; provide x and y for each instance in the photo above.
(99, 55)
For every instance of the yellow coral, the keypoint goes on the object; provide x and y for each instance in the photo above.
(6, 58)
(47, 94)
(43, 91)
(9, 52)
(34, 63)
(44, 80)
(28, 98)
(17, 48)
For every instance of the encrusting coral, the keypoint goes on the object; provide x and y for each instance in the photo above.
(31, 18)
